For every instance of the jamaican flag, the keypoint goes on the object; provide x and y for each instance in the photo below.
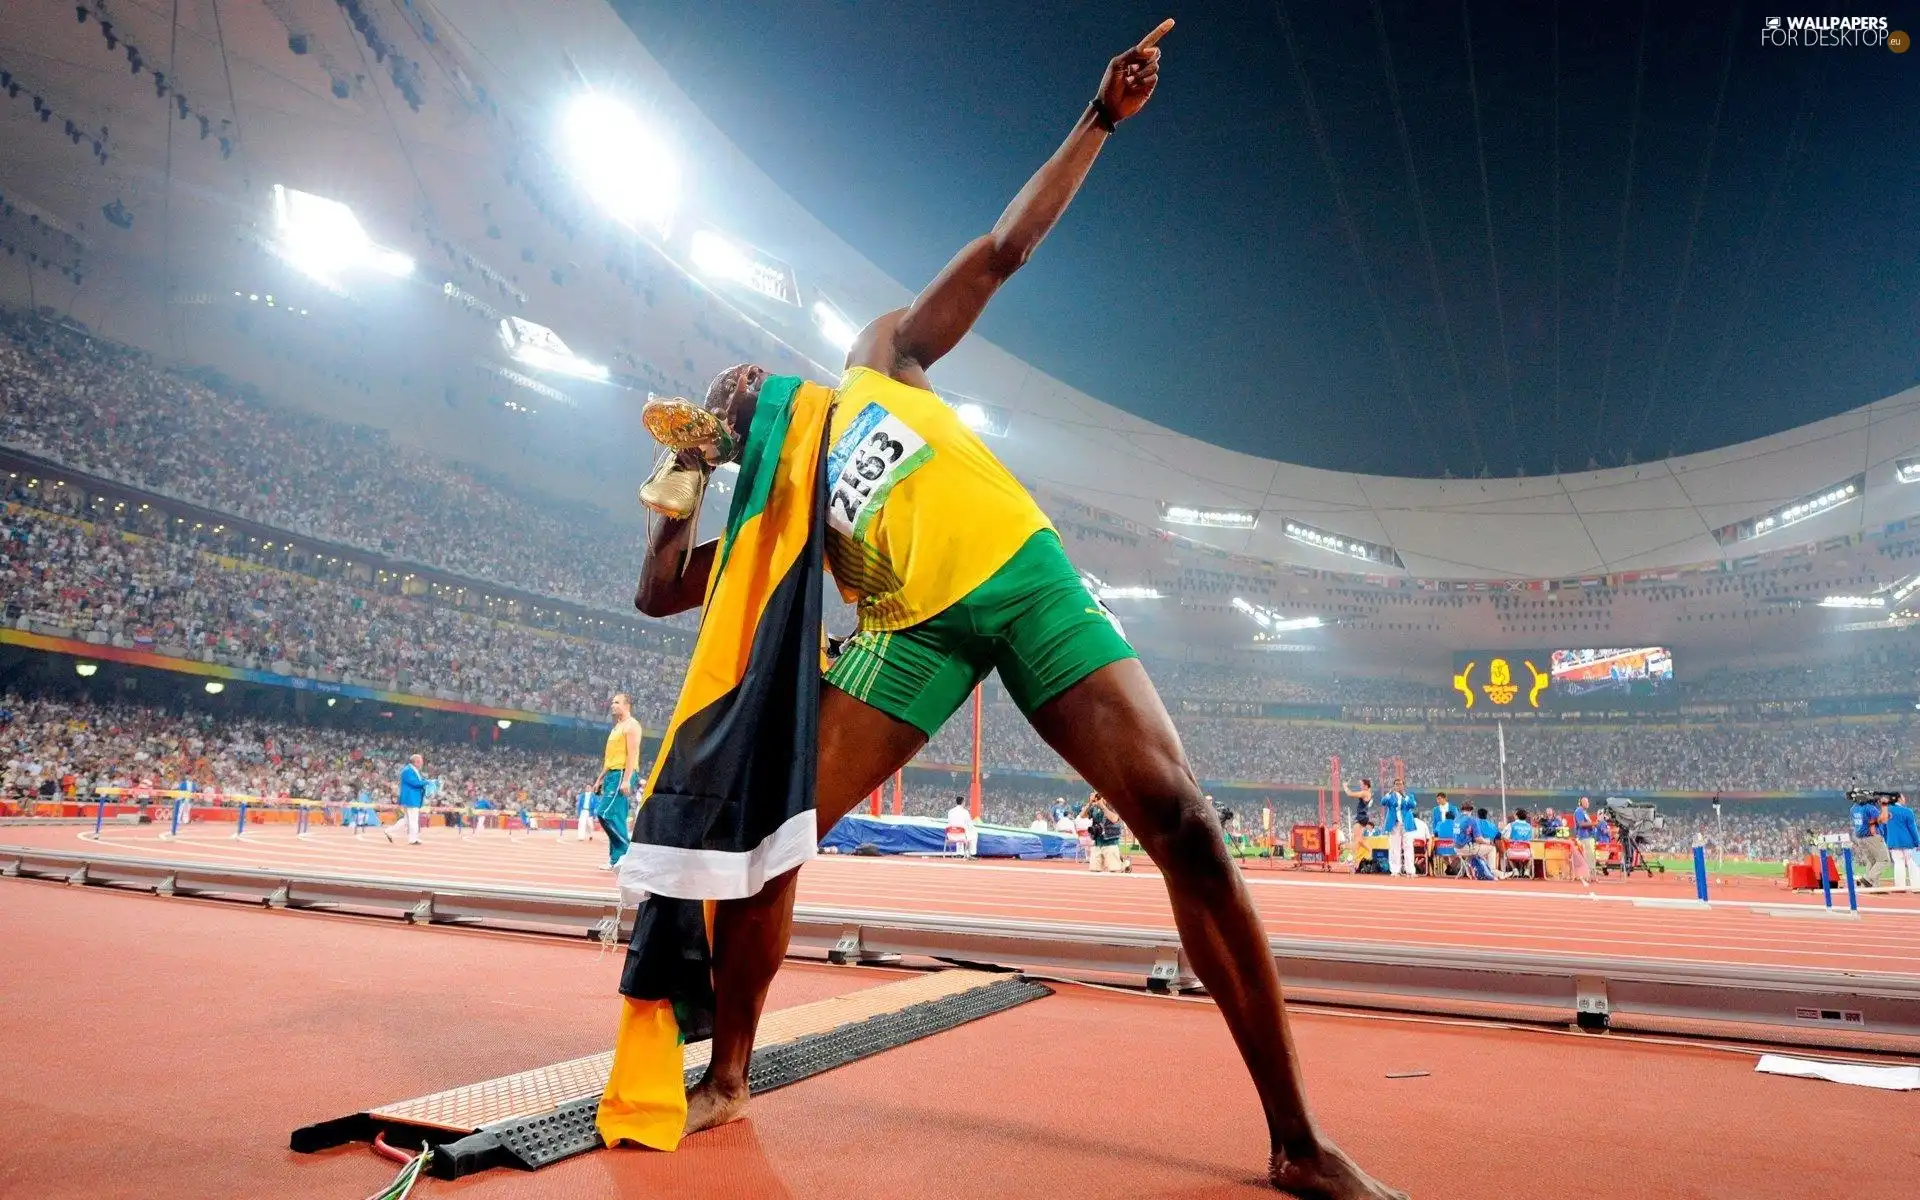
(730, 802)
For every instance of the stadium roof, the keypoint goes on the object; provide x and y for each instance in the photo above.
(490, 78)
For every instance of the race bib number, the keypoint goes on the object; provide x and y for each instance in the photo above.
(875, 453)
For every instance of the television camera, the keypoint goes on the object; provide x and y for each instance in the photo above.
(1633, 818)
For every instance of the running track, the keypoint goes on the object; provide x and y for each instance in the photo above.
(1755, 927)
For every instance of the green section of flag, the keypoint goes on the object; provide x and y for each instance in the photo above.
(760, 458)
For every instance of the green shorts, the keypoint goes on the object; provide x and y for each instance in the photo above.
(1033, 620)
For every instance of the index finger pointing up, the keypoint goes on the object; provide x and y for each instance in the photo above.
(1159, 31)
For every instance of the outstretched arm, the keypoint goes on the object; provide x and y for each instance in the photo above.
(914, 338)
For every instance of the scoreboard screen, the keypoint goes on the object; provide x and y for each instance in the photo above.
(1606, 676)
(1494, 681)
(1502, 680)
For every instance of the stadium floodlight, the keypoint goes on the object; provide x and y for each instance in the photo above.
(1806, 507)
(1273, 622)
(85, 670)
(987, 420)
(1215, 518)
(1801, 510)
(562, 364)
(321, 238)
(215, 687)
(834, 326)
(726, 259)
(1338, 543)
(1907, 470)
(539, 347)
(719, 257)
(623, 164)
(1854, 602)
(504, 723)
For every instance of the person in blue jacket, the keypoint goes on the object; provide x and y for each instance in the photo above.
(1865, 818)
(1903, 841)
(586, 807)
(1445, 828)
(1519, 832)
(1400, 813)
(413, 796)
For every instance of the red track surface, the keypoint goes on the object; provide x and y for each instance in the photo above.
(165, 1048)
(1506, 917)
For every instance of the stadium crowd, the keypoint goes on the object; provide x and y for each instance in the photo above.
(50, 747)
(113, 412)
(73, 579)
(78, 579)
(110, 411)
(1703, 757)
(54, 746)
(170, 595)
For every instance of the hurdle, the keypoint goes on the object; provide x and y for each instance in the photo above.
(539, 1117)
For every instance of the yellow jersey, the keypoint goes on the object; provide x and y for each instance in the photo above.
(616, 759)
(919, 511)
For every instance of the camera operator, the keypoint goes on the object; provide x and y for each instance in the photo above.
(1104, 830)
(1869, 847)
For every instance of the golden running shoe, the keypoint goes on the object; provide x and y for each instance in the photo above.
(679, 424)
(673, 490)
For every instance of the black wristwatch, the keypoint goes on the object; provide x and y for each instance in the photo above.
(1102, 116)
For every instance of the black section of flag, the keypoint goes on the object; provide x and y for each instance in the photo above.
(741, 767)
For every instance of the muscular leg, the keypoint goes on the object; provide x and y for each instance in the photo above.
(1112, 728)
(860, 747)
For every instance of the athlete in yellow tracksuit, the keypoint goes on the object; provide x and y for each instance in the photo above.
(619, 777)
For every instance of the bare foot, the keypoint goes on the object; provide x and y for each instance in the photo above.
(710, 1104)
(1323, 1173)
